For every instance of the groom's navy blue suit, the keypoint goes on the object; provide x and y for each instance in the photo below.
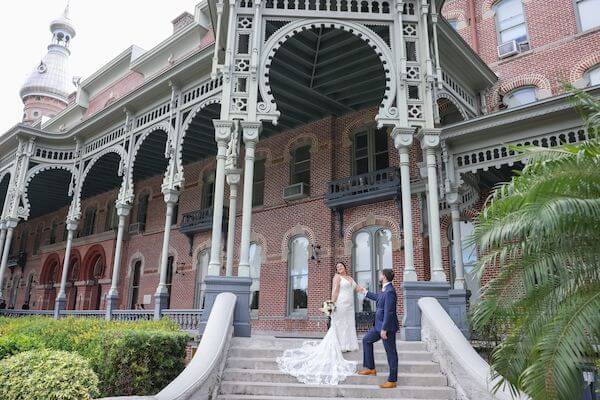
(385, 320)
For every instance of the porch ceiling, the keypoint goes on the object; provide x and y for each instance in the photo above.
(103, 176)
(321, 72)
(48, 192)
(199, 141)
(3, 190)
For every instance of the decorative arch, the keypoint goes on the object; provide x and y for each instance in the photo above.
(355, 124)
(268, 107)
(539, 81)
(51, 264)
(75, 260)
(202, 247)
(117, 149)
(32, 174)
(458, 15)
(451, 98)
(371, 220)
(95, 253)
(161, 126)
(583, 66)
(137, 256)
(307, 139)
(297, 230)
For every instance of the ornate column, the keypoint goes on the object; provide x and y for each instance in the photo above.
(223, 133)
(251, 132)
(430, 140)
(2, 235)
(11, 224)
(459, 280)
(112, 297)
(233, 180)
(403, 139)
(61, 299)
(171, 195)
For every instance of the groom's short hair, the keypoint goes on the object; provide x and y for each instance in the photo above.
(388, 273)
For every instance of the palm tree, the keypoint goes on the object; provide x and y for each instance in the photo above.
(543, 229)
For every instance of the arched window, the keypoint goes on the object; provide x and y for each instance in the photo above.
(593, 75)
(28, 288)
(23, 242)
(136, 272)
(258, 185)
(169, 283)
(510, 21)
(201, 272)
(588, 13)
(370, 150)
(37, 241)
(53, 228)
(142, 212)
(298, 275)
(14, 291)
(300, 166)
(521, 96)
(89, 221)
(372, 253)
(469, 258)
(255, 264)
(208, 190)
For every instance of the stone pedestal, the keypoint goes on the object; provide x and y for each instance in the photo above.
(112, 300)
(457, 309)
(413, 291)
(160, 303)
(239, 286)
(59, 306)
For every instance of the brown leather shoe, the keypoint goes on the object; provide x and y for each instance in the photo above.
(367, 372)
(388, 385)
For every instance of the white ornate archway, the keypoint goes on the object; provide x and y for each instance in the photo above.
(32, 174)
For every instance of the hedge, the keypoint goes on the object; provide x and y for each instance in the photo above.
(128, 357)
(47, 375)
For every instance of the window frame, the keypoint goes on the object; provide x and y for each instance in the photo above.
(497, 23)
(588, 73)
(206, 193)
(294, 165)
(132, 285)
(254, 311)
(300, 312)
(578, 18)
(520, 88)
(144, 198)
(372, 152)
(201, 273)
(259, 183)
(169, 281)
(89, 227)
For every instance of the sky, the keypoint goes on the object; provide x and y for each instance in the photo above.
(104, 29)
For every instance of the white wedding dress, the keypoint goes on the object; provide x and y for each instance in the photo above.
(322, 362)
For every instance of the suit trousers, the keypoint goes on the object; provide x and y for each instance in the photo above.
(389, 345)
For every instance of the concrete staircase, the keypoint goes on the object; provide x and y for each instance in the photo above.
(251, 373)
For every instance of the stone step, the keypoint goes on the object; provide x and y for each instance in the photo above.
(356, 391)
(275, 376)
(273, 343)
(414, 367)
(354, 355)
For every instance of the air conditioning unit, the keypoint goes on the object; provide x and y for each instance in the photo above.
(295, 191)
(508, 49)
(137, 228)
(524, 46)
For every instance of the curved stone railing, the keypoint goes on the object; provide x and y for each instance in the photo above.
(468, 373)
(200, 379)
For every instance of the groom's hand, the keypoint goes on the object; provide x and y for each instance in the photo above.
(383, 335)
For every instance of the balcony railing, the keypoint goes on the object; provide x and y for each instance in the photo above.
(365, 188)
(18, 260)
(196, 221)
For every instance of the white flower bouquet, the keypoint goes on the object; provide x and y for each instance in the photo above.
(328, 307)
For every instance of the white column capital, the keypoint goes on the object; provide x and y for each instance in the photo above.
(11, 222)
(453, 199)
(403, 137)
(233, 175)
(429, 138)
(123, 209)
(223, 130)
(251, 131)
(171, 195)
(72, 224)
(2, 224)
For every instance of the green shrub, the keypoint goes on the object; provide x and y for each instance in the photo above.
(47, 375)
(128, 357)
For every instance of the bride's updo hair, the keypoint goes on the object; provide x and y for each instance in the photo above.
(342, 263)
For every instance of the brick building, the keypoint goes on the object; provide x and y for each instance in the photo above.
(339, 127)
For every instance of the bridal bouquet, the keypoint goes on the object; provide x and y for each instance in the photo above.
(328, 307)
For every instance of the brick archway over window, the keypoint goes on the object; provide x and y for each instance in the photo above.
(539, 81)
(583, 66)
(90, 261)
(371, 220)
(365, 118)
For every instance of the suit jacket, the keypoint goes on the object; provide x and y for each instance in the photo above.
(386, 318)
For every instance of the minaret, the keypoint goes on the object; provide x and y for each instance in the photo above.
(46, 91)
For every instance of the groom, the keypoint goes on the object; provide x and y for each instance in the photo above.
(385, 328)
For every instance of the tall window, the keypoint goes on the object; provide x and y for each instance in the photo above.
(53, 228)
(175, 213)
(169, 283)
(89, 221)
(142, 213)
(510, 21)
(136, 273)
(201, 271)
(208, 190)
(255, 263)
(520, 97)
(37, 240)
(112, 219)
(258, 185)
(588, 12)
(23, 243)
(372, 253)
(300, 167)
(28, 289)
(13, 292)
(594, 76)
(298, 271)
(370, 150)
(469, 258)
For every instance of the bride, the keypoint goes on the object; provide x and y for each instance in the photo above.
(322, 362)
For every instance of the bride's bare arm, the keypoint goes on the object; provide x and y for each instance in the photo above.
(335, 288)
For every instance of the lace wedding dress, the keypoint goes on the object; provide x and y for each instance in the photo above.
(322, 362)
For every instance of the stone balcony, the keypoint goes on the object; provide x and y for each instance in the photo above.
(366, 188)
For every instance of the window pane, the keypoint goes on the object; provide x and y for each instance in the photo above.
(363, 266)
(594, 76)
(469, 251)
(201, 272)
(382, 161)
(362, 166)
(384, 249)
(302, 154)
(589, 14)
(381, 140)
(520, 97)
(509, 13)
(299, 256)
(299, 273)
(518, 33)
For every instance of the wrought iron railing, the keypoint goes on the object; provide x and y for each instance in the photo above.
(197, 221)
(17, 260)
(364, 188)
